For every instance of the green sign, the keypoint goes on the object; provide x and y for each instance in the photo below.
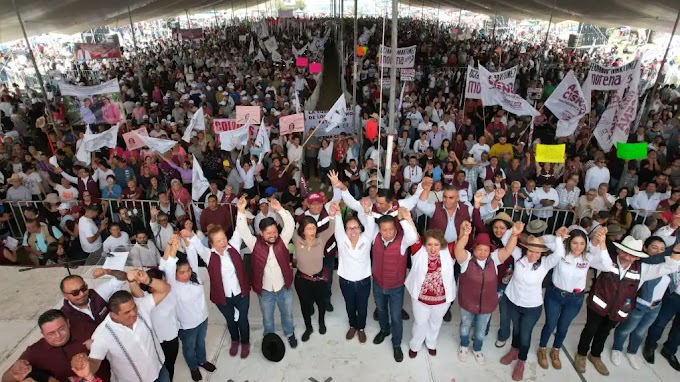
(631, 150)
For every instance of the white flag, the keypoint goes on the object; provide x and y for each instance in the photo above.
(260, 56)
(197, 123)
(251, 50)
(160, 145)
(299, 52)
(363, 39)
(495, 93)
(568, 104)
(262, 139)
(199, 184)
(94, 142)
(270, 44)
(336, 114)
(296, 102)
(232, 139)
(276, 56)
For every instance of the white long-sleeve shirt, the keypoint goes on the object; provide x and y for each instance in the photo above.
(668, 234)
(354, 263)
(326, 156)
(247, 177)
(191, 306)
(230, 282)
(412, 175)
(643, 201)
(540, 210)
(409, 203)
(451, 233)
(596, 176)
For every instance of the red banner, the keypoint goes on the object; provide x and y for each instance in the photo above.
(190, 34)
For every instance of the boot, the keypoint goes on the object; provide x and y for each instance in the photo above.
(542, 358)
(518, 371)
(580, 363)
(599, 365)
(307, 334)
(555, 358)
(510, 356)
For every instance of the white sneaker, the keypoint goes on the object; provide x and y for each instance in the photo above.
(500, 344)
(616, 357)
(463, 354)
(479, 357)
(634, 360)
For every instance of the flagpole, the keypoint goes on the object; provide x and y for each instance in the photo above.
(393, 90)
(134, 43)
(360, 134)
(381, 88)
(660, 75)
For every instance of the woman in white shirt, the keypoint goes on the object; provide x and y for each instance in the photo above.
(524, 294)
(192, 310)
(325, 159)
(354, 267)
(432, 288)
(564, 298)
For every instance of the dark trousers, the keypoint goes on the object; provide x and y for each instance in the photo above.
(390, 302)
(310, 292)
(596, 331)
(329, 265)
(310, 168)
(670, 307)
(170, 349)
(356, 301)
(239, 330)
(523, 322)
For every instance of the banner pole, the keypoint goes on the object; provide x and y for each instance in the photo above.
(393, 85)
(134, 43)
(547, 33)
(360, 134)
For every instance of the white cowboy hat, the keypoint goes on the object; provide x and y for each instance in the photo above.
(469, 160)
(632, 246)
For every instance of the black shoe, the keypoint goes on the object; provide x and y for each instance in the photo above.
(447, 316)
(380, 337)
(196, 375)
(404, 315)
(292, 341)
(305, 335)
(322, 328)
(648, 354)
(672, 359)
(375, 315)
(329, 307)
(209, 367)
(398, 354)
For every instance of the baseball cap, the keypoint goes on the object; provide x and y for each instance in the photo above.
(315, 197)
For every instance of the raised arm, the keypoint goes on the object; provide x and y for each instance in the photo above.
(169, 261)
(116, 283)
(286, 217)
(670, 265)
(480, 227)
(194, 248)
(159, 288)
(242, 224)
(410, 202)
(554, 258)
(459, 251)
(505, 252)
(410, 232)
(598, 257)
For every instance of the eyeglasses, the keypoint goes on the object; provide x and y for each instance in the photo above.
(76, 292)
(353, 228)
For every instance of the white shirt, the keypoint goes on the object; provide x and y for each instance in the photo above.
(69, 194)
(476, 150)
(413, 174)
(260, 216)
(192, 309)
(525, 288)
(449, 128)
(161, 234)
(164, 318)
(112, 243)
(140, 344)
(668, 234)
(451, 233)
(571, 272)
(145, 255)
(596, 176)
(87, 228)
(354, 263)
(482, 263)
(424, 126)
(326, 156)
(230, 282)
(248, 177)
(643, 201)
(294, 154)
(540, 210)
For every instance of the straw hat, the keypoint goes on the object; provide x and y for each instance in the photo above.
(469, 160)
(632, 246)
(14, 178)
(536, 226)
(534, 243)
(502, 216)
(615, 229)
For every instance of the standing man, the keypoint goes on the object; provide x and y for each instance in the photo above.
(271, 268)
(670, 310)
(127, 339)
(389, 273)
(89, 233)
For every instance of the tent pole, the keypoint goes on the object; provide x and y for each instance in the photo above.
(660, 76)
(186, 12)
(216, 20)
(547, 33)
(134, 43)
(393, 92)
(360, 134)
(460, 14)
(35, 66)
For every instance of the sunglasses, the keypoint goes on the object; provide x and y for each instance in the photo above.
(83, 289)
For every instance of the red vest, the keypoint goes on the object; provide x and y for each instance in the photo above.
(81, 322)
(331, 248)
(259, 261)
(610, 292)
(489, 172)
(91, 186)
(389, 265)
(440, 218)
(217, 294)
(477, 292)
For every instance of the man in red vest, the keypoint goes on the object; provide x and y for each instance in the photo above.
(271, 267)
(613, 297)
(389, 273)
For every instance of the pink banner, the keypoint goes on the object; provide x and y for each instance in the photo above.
(245, 114)
(301, 62)
(98, 51)
(292, 124)
(315, 68)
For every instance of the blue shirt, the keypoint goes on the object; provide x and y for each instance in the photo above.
(117, 190)
(40, 241)
(437, 174)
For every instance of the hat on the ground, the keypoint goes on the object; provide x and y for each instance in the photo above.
(615, 229)
(631, 246)
(273, 347)
(315, 197)
(534, 243)
(502, 216)
(536, 226)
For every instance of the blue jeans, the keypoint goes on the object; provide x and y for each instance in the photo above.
(670, 307)
(560, 310)
(163, 375)
(193, 345)
(504, 329)
(480, 321)
(637, 323)
(523, 322)
(282, 298)
(356, 301)
(389, 303)
(238, 330)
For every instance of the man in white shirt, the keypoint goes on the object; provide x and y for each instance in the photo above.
(425, 125)
(117, 238)
(478, 148)
(89, 233)
(647, 201)
(448, 127)
(545, 199)
(413, 174)
(144, 252)
(161, 228)
(126, 337)
(597, 175)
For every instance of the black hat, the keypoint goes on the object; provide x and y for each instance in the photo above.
(273, 347)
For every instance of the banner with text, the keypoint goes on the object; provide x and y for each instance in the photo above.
(473, 88)
(568, 104)
(97, 51)
(316, 117)
(608, 79)
(406, 57)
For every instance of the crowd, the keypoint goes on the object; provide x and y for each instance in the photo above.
(466, 213)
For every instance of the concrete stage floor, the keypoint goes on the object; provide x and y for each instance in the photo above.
(323, 358)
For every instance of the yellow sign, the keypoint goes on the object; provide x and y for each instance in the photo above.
(550, 153)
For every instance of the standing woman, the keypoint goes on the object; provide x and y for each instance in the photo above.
(354, 266)
(524, 294)
(311, 278)
(564, 298)
(192, 311)
(432, 288)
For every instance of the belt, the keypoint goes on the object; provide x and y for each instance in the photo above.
(564, 293)
(654, 304)
(311, 278)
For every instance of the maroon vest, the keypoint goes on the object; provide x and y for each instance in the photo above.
(440, 219)
(83, 323)
(259, 261)
(331, 247)
(489, 173)
(217, 294)
(91, 186)
(389, 265)
(477, 292)
(610, 292)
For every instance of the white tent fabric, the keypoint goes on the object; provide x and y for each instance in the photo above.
(73, 16)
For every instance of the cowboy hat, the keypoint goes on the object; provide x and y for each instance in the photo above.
(631, 246)
(534, 243)
(273, 348)
(536, 226)
(14, 178)
(615, 230)
(502, 216)
(469, 160)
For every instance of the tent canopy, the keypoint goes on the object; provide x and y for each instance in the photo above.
(73, 16)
